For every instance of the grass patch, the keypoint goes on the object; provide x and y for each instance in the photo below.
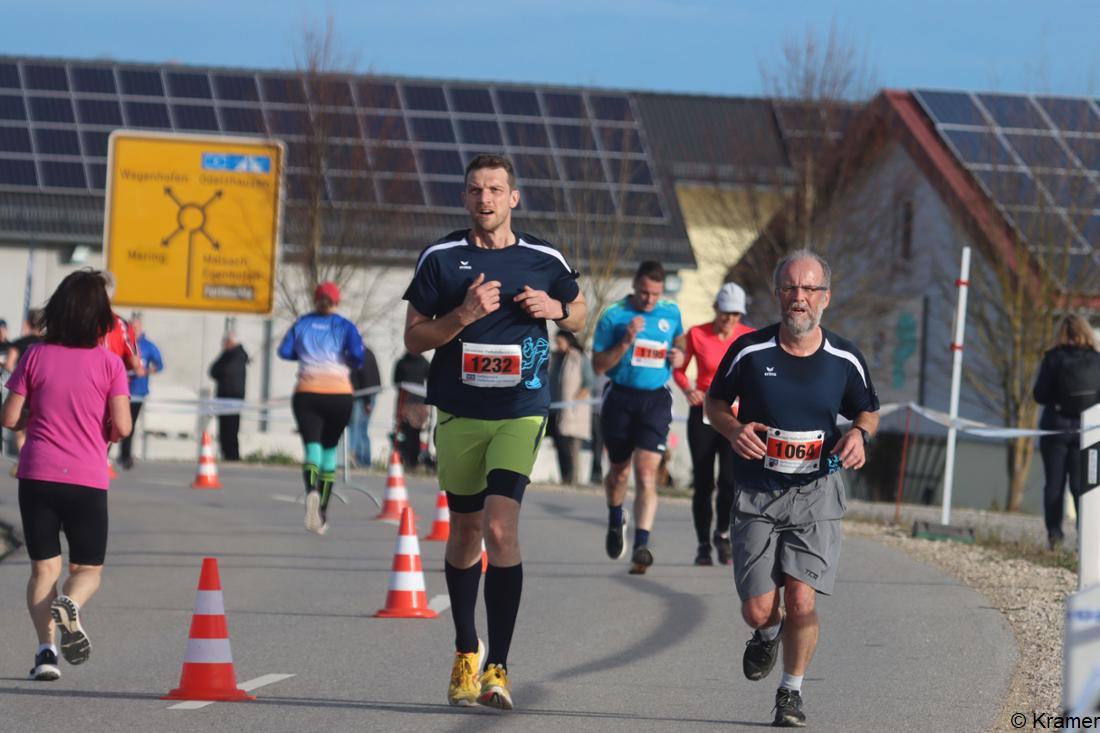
(276, 458)
(1061, 557)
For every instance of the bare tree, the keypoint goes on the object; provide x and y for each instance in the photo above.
(331, 223)
(600, 211)
(1035, 269)
(819, 88)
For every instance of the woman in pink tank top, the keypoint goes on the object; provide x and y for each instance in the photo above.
(72, 398)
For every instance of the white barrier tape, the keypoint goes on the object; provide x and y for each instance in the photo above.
(223, 406)
(209, 603)
(233, 406)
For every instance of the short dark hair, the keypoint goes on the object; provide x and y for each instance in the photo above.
(651, 270)
(487, 160)
(78, 313)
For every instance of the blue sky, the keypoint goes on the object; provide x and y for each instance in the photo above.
(706, 46)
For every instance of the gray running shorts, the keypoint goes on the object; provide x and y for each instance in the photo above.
(793, 532)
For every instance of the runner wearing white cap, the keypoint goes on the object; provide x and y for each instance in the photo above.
(706, 344)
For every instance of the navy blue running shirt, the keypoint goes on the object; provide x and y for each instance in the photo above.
(792, 394)
(497, 367)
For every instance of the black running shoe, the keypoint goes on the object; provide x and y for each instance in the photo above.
(616, 541)
(45, 667)
(760, 655)
(75, 645)
(724, 548)
(788, 709)
(702, 556)
(640, 560)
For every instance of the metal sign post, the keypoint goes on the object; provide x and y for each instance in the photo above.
(1081, 668)
(956, 377)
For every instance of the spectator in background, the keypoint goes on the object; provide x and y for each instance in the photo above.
(365, 377)
(595, 475)
(413, 413)
(32, 334)
(151, 363)
(3, 373)
(1068, 383)
(571, 380)
(120, 340)
(229, 371)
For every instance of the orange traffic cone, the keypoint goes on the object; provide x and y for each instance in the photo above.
(484, 557)
(441, 527)
(207, 477)
(208, 664)
(406, 597)
(112, 474)
(396, 498)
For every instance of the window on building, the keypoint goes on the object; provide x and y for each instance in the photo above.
(903, 229)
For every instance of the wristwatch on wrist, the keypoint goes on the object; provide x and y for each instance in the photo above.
(866, 435)
(564, 311)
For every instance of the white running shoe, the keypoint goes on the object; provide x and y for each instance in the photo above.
(313, 512)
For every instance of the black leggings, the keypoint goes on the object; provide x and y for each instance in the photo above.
(706, 443)
(49, 508)
(1061, 460)
(321, 418)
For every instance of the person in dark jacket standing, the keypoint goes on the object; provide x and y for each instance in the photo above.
(229, 371)
(365, 377)
(413, 413)
(1068, 383)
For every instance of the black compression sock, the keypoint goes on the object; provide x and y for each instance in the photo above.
(503, 587)
(328, 478)
(462, 588)
(309, 476)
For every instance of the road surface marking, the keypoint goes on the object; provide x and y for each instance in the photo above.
(249, 686)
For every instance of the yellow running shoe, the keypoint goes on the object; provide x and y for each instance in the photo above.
(496, 691)
(464, 687)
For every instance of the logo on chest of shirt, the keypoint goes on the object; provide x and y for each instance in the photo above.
(769, 372)
(664, 325)
(464, 265)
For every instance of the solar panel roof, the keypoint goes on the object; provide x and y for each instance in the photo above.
(1037, 158)
(55, 116)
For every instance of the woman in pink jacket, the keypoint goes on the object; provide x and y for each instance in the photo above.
(72, 397)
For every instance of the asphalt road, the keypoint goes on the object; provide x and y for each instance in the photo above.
(903, 647)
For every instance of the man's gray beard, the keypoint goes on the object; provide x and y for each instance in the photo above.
(798, 329)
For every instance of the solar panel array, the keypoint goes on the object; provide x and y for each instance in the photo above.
(390, 143)
(1037, 157)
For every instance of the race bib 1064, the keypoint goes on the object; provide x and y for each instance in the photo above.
(491, 365)
(791, 451)
(649, 354)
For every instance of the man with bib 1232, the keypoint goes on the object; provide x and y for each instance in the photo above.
(481, 298)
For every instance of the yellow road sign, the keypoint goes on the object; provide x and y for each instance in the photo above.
(193, 222)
